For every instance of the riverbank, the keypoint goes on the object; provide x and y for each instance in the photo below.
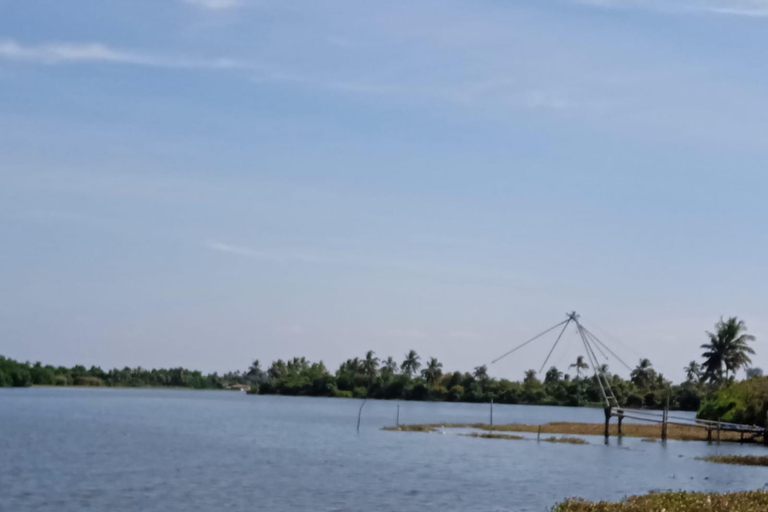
(749, 501)
(677, 432)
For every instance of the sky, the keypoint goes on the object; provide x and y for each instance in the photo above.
(202, 183)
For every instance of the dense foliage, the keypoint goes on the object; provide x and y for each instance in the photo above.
(739, 402)
(726, 353)
(369, 377)
(16, 374)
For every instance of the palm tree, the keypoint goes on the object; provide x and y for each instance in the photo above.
(433, 371)
(728, 349)
(603, 369)
(693, 371)
(481, 373)
(370, 364)
(579, 365)
(553, 375)
(643, 373)
(390, 366)
(411, 364)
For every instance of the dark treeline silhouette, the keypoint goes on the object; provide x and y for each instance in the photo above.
(16, 374)
(415, 379)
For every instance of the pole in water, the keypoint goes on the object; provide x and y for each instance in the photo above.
(360, 414)
(538, 437)
(608, 413)
(398, 415)
(491, 411)
(765, 430)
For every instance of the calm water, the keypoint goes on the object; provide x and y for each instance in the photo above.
(126, 450)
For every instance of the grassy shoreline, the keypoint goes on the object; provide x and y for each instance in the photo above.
(746, 501)
(676, 432)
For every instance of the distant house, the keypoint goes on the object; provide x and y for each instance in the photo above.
(240, 387)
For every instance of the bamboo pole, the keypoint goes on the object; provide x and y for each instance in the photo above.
(491, 411)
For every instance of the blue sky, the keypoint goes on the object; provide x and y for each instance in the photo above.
(205, 182)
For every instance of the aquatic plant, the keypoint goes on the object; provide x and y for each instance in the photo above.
(751, 501)
(496, 436)
(567, 440)
(740, 460)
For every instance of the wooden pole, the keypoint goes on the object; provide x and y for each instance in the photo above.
(398, 415)
(538, 437)
(718, 431)
(765, 430)
(664, 424)
(491, 411)
(621, 419)
(608, 421)
(709, 434)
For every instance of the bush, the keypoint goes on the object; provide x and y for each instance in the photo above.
(743, 402)
(88, 381)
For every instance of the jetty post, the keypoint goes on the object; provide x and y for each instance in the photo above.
(608, 413)
(397, 422)
(491, 411)
(621, 420)
(765, 430)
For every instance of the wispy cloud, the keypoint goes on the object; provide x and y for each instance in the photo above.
(270, 255)
(73, 53)
(750, 8)
(215, 5)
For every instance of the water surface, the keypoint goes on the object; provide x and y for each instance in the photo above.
(154, 450)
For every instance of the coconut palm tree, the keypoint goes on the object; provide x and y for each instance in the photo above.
(411, 364)
(433, 371)
(370, 364)
(579, 365)
(389, 366)
(603, 369)
(553, 375)
(481, 373)
(728, 349)
(693, 371)
(643, 373)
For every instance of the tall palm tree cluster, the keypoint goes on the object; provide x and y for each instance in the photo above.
(727, 352)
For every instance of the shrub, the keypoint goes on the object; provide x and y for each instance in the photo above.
(743, 402)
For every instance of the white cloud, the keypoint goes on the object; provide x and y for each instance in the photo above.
(215, 5)
(73, 53)
(751, 8)
(245, 252)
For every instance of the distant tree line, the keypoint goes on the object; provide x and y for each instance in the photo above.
(412, 378)
(17, 374)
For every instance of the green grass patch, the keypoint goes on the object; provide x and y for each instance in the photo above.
(752, 501)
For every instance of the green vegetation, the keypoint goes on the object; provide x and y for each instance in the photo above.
(15, 374)
(648, 432)
(566, 440)
(496, 436)
(751, 501)
(743, 402)
(726, 352)
(739, 460)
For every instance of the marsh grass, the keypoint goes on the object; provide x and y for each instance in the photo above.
(567, 440)
(646, 431)
(740, 460)
(496, 436)
(412, 428)
(752, 501)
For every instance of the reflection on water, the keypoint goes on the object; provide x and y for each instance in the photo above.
(150, 450)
